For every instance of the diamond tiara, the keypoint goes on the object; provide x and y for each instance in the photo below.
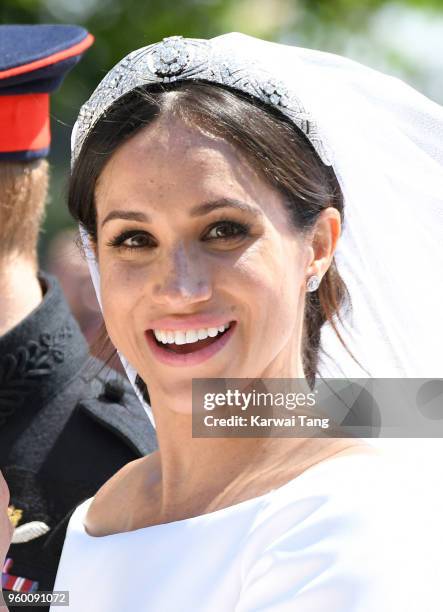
(177, 58)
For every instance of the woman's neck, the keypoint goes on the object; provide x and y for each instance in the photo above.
(195, 475)
(200, 475)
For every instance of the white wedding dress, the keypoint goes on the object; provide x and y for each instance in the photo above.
(347, 535)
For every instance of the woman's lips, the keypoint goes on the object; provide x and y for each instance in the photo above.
(197, 356)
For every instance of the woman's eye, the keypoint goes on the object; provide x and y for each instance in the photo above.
(131, 240)
(138, 240)
(226, 230)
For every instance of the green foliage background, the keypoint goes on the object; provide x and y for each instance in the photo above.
(398, 37)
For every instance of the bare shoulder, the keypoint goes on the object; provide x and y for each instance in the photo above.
(118, 484)
(111, 508)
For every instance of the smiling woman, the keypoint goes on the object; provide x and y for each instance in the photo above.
(211, 206)
(235, 167)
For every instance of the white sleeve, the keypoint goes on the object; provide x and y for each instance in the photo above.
(357, 552)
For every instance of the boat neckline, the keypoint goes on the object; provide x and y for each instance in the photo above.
(81, 510)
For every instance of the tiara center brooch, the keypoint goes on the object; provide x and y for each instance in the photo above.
(170, 57)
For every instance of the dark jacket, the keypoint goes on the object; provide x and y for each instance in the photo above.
(67, 423)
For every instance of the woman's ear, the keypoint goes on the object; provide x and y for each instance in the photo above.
(324, 238)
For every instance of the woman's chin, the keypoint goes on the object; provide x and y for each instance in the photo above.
(180, 380)
(182, 393)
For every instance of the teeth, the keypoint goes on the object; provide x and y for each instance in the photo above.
(179, 337)
(191, 336)
(188, 336)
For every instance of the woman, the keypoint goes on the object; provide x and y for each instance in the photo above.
(208, 199)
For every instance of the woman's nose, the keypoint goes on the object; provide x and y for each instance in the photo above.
(183, 279)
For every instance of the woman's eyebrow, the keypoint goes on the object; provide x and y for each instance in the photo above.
(197, 211)
(207, 207)
(129, 215)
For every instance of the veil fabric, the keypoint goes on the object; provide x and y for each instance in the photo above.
(384, 141)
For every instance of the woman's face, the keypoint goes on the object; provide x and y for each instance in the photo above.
(190, 240)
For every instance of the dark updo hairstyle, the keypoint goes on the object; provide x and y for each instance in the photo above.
(271, 143)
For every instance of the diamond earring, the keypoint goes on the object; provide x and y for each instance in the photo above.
(313, 283)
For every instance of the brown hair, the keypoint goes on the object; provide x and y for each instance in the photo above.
(23, 190)
(272, 144)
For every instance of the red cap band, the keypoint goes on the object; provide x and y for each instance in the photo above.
(25, 122)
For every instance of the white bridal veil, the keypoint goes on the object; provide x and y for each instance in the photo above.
(384, 141)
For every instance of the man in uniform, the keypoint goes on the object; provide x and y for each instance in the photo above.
(67, 422)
